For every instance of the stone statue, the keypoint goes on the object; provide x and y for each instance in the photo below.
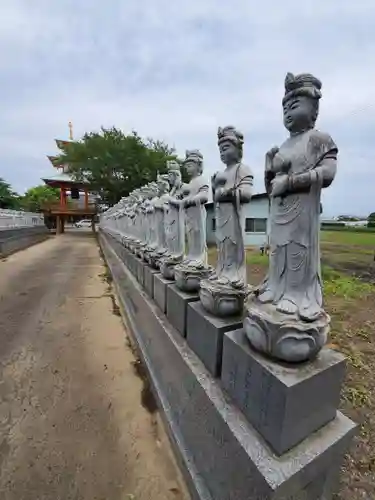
(173, 223)
(144, 223)
(152, 240)
(161, 250)
(285, 316)
(224, 293)
(195, 194)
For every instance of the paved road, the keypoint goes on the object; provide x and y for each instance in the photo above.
(71, 422)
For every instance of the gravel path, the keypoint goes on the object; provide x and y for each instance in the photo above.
(71, 421)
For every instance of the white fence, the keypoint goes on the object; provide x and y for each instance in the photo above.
(10, 219)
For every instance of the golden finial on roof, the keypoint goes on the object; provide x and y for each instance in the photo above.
(70, 124)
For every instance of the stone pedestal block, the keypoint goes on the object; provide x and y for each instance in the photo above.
(177, 303)
(160, 291)
(285, 403)
(149, 274)
(204, 334)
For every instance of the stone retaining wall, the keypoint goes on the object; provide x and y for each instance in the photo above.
(15, 239)
(223, 456)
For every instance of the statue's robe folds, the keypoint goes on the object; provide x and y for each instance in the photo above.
(294, 279)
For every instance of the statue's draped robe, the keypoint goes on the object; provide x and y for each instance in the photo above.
(159, 221)
(195, 223)
(231, 259)
(174, 227)
(294, 273)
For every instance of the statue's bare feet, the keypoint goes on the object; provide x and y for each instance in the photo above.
(222, 281)
(286, 306)
(266, 296)
(310, 312)
(238, 284)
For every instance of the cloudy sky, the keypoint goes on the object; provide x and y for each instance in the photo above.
(177, 69)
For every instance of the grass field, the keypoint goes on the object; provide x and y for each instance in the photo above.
(349, 290)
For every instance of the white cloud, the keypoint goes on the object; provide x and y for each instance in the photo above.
(177, 70)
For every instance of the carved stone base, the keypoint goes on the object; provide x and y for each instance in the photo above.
(188, 278)
(222, 300)
(146, 253)
(140, 249)
(167, 266)
(153, 260)
(281, 336)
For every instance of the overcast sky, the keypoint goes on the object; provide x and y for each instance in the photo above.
(177, 69)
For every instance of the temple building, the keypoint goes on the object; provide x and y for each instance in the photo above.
(255, 221)
(75, 202)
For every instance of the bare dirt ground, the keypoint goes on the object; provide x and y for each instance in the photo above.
(72, 426)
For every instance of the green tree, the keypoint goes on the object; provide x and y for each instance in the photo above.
(114, 163)
(35, 197)
(8, 198)
(371, 220)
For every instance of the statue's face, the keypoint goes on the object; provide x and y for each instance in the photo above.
(174, 177)
(163, 187)
(228, 152)
(192, 168)
(298, 113)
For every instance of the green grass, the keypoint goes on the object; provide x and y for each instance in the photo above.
(336, 284)
(256, 259)
(340, 285)
(348, 238)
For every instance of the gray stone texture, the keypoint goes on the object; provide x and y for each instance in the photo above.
(204, 334)
(160, 291)
(219, 452)
(13, 240)
(139, 270)
(177, 303)
(285, 316)
(149, 280)
(284, 403)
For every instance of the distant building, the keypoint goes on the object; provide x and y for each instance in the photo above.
(255, 221)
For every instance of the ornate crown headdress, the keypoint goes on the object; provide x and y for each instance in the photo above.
(193, 155)
(304, 84)
(173, 166)
(230, 133)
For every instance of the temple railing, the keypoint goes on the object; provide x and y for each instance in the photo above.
(72, 206)
(10, 219)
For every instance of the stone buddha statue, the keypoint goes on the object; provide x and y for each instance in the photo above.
(160, 250)
(195, 195)
(224, 293)
(285, 316)
(173, 222)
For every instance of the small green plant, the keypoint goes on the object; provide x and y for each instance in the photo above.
(357, 396)
(347, 287)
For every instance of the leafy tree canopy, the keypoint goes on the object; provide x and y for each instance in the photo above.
(8, 198)
(35, 197)
(371, 217)
(114, 163)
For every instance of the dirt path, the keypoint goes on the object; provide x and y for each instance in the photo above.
(71, 421)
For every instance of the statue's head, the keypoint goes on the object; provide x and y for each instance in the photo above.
(301, 101)
(193, 163)
(230, 141)
(163, 184)
(152, 190)
(174, 173)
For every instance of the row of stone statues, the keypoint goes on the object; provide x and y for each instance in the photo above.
(164, 222)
